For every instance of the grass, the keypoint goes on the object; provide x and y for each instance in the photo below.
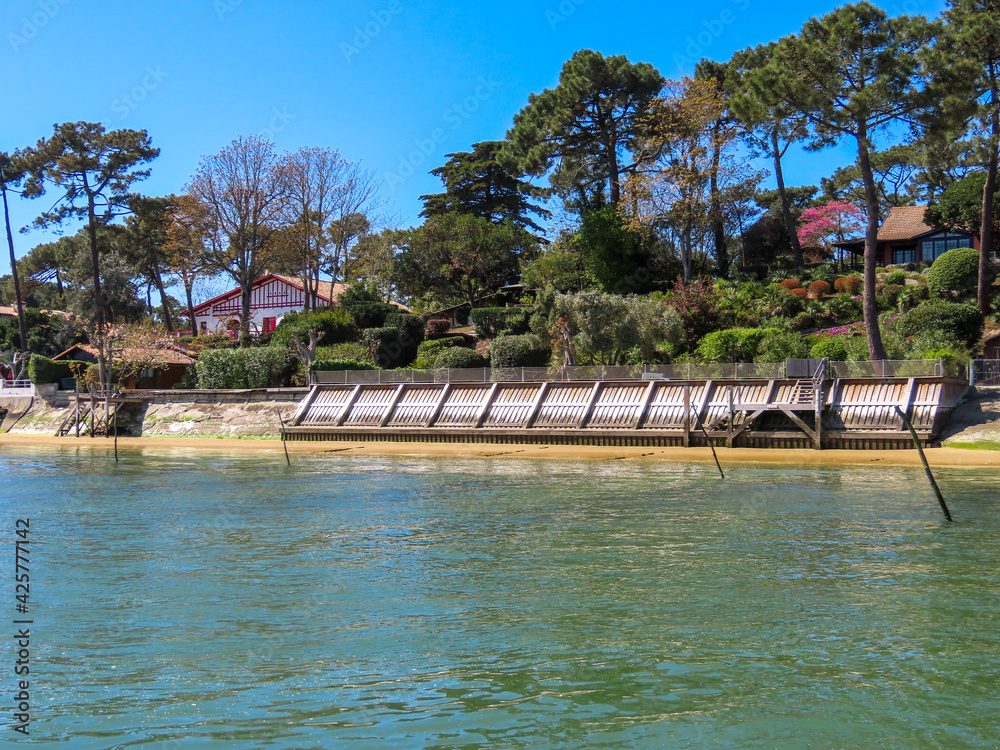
(978, 445)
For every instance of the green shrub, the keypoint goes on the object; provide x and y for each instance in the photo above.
(42, 370)
(395, 347)
(411, 325)
(963, 324)
(492, 321)
(428, 351)
(777, 346)
(887, 297)
(832, 348)
(844, 308)
(370, 314)
(458, 358)
(347, 350)
(335, 323)
(911, 296)
(731, 345)
(955, 272)
(255, 367)
(336, 365)
(896, 277)
(518, 351)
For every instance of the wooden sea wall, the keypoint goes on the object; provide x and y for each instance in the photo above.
(845, 413)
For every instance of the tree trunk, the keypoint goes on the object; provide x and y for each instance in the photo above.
(786, 206)
(246, 288)
(22, 324)
(189, 292)
(95, 259)
(718, 223)
(876, 351)
(986, 238)
(168, 320)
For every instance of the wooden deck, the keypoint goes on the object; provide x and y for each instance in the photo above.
(845, 413)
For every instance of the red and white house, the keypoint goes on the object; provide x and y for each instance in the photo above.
(271, 298)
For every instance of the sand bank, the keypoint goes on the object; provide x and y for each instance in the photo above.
(936, 456)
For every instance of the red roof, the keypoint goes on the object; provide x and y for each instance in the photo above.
(903, 223)
(167, 355)
(327, 291)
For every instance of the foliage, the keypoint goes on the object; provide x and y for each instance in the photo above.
(42, 370)
(348, 350)
(411, 326)
(579, 131)
(46, 334)
(799, 292)
(438, 327)
(832, 348)
(896, 277)
(459, 358)
(912, 296)
(338, 365)
(255, 367)
(428, 351)
(954, 273)
(731, 345)
(888, 296)
(844, 309)
(848, 284)
(790, 284)
(777, 346)
(615, 255)
(459, 258)
(697, 304)
(821, 226)
(493, 321)
(390, 347)
(518, 351)
(561, 265)
(335, 323)
(819, 289)
(961, 323)
(479, 184)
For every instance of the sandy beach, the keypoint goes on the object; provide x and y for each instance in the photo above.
(936, 456)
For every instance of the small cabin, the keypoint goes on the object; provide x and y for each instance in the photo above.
(904, 237)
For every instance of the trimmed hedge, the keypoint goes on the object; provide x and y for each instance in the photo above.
(732, 345)
(438, 327)
(960, 323)
(492, 321)
(848, 285)
(410, 325)
(335, 322)
(831, 348)
(258, 367)
(517, 351)
(459, 358)
(370, 314)
(819, 289)
(896, 277)
(42, 370)
(395, 347)
(954, 272)
(337, 365)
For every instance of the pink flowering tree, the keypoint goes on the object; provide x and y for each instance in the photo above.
(821, 226)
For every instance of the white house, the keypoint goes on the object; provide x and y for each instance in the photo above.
(271, 298)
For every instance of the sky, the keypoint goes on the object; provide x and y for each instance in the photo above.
(394, 84)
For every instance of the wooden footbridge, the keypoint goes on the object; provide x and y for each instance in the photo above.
(858, 413)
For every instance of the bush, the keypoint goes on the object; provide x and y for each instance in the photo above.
(394, 347)
(823, 272)
(777, 346)
(896, 277)
(493, 321)
(962, 324)
(799, 292)
(849, 285)
(256, 367)
(411, 325)
(731, 345)
(42, 370)
(911, 296)
(791, 284)
(370, 314)
(845, 308)
(832, 348)
(819, 289)
(438, 327)
(518, 351)
(955, 272)
(803, 322)
(337, 365)
(458, 358)
(887, 296)
(348, 350)
(335, 323)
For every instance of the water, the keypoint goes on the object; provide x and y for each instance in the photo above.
(207, 601)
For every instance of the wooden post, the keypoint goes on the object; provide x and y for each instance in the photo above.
(927, 467)
(283, 443)
(818, 396)
(729, 429)
(687, 416)
(76, 417)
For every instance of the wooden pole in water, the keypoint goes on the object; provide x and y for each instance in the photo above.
(283, 445)
(711, 445)
(116, 433)
(927, 468)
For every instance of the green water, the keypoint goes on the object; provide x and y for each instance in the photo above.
(186, 600)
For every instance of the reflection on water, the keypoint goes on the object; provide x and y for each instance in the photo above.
(190, 600)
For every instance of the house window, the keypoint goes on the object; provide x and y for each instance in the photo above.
(906, 254)
(269, 325)
(204, 325)
(934, 246)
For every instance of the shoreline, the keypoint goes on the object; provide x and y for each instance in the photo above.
(937, 457)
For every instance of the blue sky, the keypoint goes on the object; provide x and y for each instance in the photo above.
(396, 84)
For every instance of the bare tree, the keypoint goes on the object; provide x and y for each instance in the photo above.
(244, 190)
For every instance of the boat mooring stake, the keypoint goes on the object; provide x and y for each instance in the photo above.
(923, 458)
